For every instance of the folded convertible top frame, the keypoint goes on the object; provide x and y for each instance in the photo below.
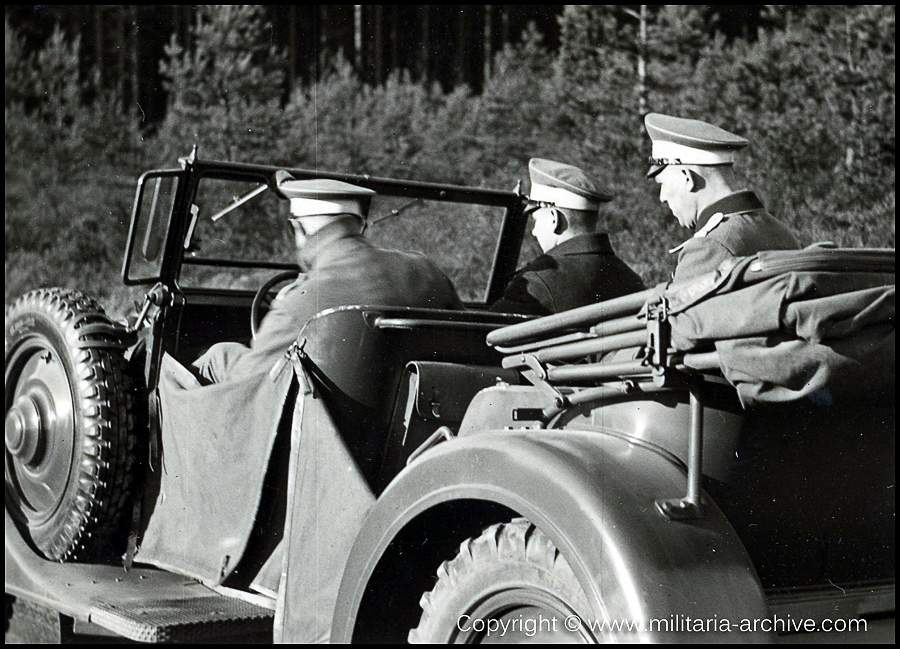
(560, 322)
(618, 315)
(560, 354)
(613, 325)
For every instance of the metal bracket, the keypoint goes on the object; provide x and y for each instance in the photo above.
(293, 356)
(690, 506)
(658, 341)
(531, 362)
(156, 296)
(658, 334)
(441, 434)
(537, 376)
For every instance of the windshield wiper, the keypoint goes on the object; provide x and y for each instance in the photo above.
(396, 212)
(238, 201)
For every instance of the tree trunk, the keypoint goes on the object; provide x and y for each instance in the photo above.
(292, 48)
(378, 63)
(98, 42)
(358, 39)
(321, 39)
(424, 63)
(462, 50)
(177, 27)
(642, 66)
(134, 36)
(488, 51)
(395, 39)
(852, 135)
(640, 86)
(184, 22)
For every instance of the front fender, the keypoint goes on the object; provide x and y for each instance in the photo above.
(594, 495)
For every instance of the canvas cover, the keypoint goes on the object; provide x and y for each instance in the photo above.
(818, 335)
(215, 448)
(217, 444)
(328, 501)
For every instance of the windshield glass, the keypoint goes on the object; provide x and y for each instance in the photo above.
(251, 233)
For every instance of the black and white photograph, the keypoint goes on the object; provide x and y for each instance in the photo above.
(450, 324)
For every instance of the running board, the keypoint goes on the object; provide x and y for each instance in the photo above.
(201, 615)
(143, 604)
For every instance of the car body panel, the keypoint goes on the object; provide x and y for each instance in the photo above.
(593, 495)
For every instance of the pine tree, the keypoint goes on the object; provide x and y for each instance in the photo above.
(596, 71)
(678, 36)
(68, 150)
(618, 62)
(225, 91)
(862, 70)
(16, 69)
(815, 97)
(54, 110)
(514, 123)
(48, 84)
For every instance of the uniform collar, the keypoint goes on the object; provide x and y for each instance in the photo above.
(317, 244)
(583, 243)
(711, 216)
(741, 201)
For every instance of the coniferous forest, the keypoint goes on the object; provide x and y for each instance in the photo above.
(461, 94)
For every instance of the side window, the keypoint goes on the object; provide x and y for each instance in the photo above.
(153, 205)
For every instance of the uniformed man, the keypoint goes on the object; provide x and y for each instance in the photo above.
(578, 266)
(692, 161)
(342, 268)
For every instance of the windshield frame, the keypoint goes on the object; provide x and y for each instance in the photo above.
(506, 250)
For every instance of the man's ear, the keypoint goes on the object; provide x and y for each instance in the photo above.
(560, 223)
(693, 181)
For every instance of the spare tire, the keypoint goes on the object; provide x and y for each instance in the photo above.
(69, 424)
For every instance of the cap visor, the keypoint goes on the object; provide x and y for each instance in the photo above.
(654, 170)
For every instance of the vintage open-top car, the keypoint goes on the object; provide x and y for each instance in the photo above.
(718, 451)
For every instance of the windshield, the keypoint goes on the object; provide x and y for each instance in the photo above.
(240, 236)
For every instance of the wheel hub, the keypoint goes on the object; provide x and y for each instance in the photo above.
(39, 432)
(25, 430)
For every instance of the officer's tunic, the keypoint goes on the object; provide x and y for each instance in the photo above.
(735, 226)
(582, 270)
(344, 269)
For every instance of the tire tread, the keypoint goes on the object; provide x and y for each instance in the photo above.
(106, 400)
(515, 541)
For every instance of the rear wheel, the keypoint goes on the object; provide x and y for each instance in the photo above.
(509, 585)
(69, 440)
